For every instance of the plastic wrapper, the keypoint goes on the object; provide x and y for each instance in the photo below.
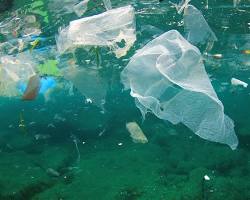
(107, 29)
(167, 77)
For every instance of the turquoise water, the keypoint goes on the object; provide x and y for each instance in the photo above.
(40, 160)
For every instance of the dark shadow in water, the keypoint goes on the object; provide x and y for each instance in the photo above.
(28, 192)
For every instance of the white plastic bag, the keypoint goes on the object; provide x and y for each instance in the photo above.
(168, 78)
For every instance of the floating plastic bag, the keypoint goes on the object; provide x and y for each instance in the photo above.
(196, 28)
(107, 29)
(168, 78)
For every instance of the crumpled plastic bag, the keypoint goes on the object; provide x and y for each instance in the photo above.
(106, 29)
(168, 78)
(196, 28)
(13, 71)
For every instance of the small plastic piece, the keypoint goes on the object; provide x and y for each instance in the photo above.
(237, 82)
(49, 68)
(136, 133)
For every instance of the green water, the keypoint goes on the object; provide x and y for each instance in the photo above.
(171, 166)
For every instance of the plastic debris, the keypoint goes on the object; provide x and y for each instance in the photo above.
(107, 29)
(177, 88)
(81, 8)
(49, 68)
(32, 88)
(217, 56)
(196, 28)
(15, 71)
(89, 82)
(52, 172)
(60, 8)
(236, 2)
(206, 178)
(30, 26)
(246, 51)
(136, 133)
(107, 4)
(180, 7)
(237, 82)
(42, 136)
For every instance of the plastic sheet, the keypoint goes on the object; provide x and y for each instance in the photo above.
(89, 82)
(13, 71)
(168, 78)
(81, 8)
(107, 4)
(196, 28)
(107, 29)
(60, 8)
(32, 88)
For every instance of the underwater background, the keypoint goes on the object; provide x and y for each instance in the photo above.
(63, 148)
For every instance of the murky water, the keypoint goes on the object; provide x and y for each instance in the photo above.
(64, 145)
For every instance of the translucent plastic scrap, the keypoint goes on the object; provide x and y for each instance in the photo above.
(236, 2)
(81, 8)
(181, 6)
(114, 28)
(18, 68)
(89, 82)
(196, 28)
(61, 8)
(14, 70)
(177, 88)
(32, 88)
(107, 4)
